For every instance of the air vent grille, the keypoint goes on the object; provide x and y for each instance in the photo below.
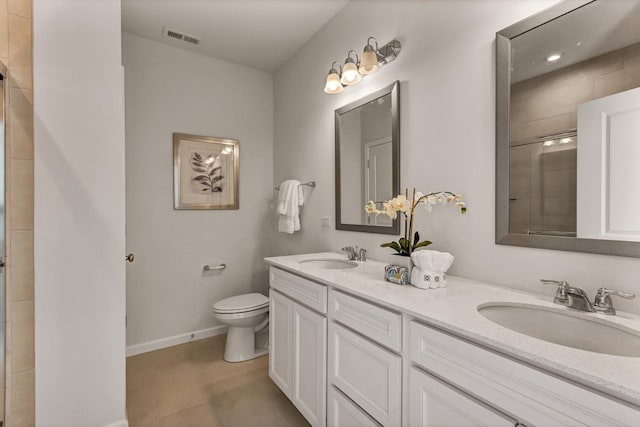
(177, 35)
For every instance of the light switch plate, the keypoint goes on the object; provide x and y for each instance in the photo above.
(325, 221)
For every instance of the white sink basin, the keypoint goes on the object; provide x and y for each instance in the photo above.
(571, 329)
(330, 263)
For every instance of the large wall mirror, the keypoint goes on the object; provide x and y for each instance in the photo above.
(367, 160)
(568, 129)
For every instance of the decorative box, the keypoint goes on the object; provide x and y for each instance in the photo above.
(396, 274)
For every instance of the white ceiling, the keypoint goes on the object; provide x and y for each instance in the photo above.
(260, 34)
(591, 31)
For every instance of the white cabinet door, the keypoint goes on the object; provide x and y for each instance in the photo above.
(343, 412)
(280, 341)
(367, 373)
(435, 404)
(309, 364)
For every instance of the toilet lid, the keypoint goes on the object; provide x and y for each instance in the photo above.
(244, 302)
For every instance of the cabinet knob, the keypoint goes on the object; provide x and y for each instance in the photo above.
(129, 258)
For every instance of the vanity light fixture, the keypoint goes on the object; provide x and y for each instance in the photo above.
(350, 74)
(553, 57)
(333, 84)
(353, 71)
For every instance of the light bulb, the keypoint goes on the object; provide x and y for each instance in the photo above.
(369, 63)
(333, 84)
(350, 75)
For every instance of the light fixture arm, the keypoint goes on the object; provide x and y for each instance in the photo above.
(349, 59)
(334, 69)
(376, 42)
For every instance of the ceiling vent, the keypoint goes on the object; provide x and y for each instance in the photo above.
(177, 35)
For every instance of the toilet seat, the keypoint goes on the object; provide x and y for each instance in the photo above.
(241, 304)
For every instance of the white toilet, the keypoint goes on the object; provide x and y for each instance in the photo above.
(245, 315)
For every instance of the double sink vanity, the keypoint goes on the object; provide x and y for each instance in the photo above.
(350, 349)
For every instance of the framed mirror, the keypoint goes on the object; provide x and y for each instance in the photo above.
(367, 138)
(568, 129)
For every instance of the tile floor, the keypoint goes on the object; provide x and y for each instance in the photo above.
(190, 385)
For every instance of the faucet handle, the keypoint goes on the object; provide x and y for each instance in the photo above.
(603, 303)
(560, 283)
(561, 294)
(602, 292)
(362, 254)
(351, 253)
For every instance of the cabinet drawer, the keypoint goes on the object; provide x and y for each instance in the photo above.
(434, 404)
(311, 294)
(344, 413)
(534, 397)
(367, 373)
(382, 326)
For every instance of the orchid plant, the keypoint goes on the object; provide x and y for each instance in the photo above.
(405, 206)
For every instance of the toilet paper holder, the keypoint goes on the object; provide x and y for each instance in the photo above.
(222, 266)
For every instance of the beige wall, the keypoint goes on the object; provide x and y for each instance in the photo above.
(16, 53)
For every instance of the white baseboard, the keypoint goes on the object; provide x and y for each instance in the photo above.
(120, 423)
(174, 340)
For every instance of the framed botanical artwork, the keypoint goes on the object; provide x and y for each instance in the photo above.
(205, 172)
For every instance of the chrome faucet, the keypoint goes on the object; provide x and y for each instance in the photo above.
(569, 296)
(351, 253)
(355, 254)
(577, 298)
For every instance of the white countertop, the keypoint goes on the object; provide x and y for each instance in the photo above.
(454, 309)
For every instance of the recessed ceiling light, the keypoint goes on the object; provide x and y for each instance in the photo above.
(548, 143)
(566, 140)
(553, 57)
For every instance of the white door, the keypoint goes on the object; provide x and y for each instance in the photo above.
(309, 364)
(435, 404)
(379, 176)
(608, 196)
(280, 341)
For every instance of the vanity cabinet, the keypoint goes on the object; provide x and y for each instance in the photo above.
(366, 372)
(298, 350)
(346, 360)
(506, 386)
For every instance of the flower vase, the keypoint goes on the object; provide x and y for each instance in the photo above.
(402, 261)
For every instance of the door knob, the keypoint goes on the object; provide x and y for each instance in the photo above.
(129, 258)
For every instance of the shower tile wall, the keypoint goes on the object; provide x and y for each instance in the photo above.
(543, 179)
(16, 54)
(547, 104)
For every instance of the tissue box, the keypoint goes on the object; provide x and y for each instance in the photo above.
(396, 274)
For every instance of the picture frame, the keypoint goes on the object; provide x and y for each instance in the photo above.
(205, 172)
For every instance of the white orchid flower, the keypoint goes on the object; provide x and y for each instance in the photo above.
(370, 207)
(401, 203)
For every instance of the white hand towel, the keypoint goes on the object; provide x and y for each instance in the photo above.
(430, 269)
(432, 260)
(290, 199)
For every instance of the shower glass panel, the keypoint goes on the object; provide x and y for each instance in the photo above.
(542, 185)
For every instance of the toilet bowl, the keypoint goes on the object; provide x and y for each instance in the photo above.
(245, 315)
